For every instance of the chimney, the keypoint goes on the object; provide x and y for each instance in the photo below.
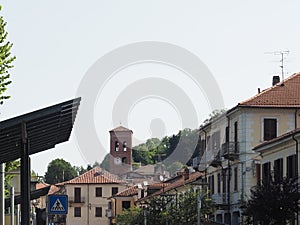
(276, 80)
(186, 174)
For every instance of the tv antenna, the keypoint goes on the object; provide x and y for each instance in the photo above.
(282, 55)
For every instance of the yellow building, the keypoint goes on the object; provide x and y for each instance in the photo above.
(279, 156)
(227, 142)
(88, 197)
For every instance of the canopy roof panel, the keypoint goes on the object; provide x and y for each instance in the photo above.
(44, 129)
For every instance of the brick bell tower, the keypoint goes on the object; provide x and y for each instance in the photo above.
(120, 150)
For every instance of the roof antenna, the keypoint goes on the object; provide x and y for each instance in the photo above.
(282, 54)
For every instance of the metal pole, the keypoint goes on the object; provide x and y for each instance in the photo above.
(25, 179)
(199, 210)
(12, 205)
(2, 194)
(145, 217)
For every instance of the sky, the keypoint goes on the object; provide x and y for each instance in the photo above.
(59, 44)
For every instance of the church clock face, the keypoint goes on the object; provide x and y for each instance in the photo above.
(117, 161)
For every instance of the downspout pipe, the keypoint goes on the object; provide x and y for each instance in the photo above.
(297, 168)
(205, 150)
(229, 176)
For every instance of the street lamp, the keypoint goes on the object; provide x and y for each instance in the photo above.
(199, 199)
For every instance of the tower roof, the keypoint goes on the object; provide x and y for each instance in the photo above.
(120, 129)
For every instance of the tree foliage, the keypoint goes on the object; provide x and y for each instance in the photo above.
(5, 60)
(10, 167)
(168, 209)
(275, 202)
(155, 150)
(130, 216)
(58, 171)
(105, 162)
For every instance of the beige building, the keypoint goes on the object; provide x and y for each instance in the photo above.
(227, 141)
(88, 197)
(279, 156)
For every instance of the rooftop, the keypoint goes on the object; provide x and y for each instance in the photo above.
(120, 129)
(179, 183)
(96, 175)
(284, 94)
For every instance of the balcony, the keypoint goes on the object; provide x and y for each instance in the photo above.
(217, 161)
(230, 150)
(221, 200)
(76, 202)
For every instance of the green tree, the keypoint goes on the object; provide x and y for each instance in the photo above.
(177, 209)
(58, 171)
(273, 203)
(105, 162)
(130, 216)
(10, 167)
(5, 60)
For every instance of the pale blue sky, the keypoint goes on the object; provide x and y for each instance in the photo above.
(56, 42)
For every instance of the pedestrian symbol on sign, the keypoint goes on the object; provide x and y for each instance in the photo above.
(57, 206)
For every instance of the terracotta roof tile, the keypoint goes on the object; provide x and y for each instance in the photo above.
(120, 128)
(95, 176)
(179, 183)
(134, 189)
(284, 94)
(128, 192)
(53, 189)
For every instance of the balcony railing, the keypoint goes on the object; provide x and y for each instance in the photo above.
(230, 150)
(221, 200)
(76, 201)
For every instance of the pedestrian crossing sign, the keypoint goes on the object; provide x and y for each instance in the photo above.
(58, 204)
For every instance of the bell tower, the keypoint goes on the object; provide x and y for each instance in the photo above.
(120, 150)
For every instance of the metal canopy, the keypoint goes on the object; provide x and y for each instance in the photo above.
(32, 133)
(45, 128)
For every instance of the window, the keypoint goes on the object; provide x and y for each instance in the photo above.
(124, 160)
(224, 175)
(116, 146)
(98, 212)
(98, 191)
(211, 184)
(266, 176)
(77, 212)
(236, 136)
(219, 183)
(216, 141)
(258, 173)
(235, 174)
(270, 129)
(291, 166)
(202, 147)
(77, 194)
(114, 190)
(227, 134)
(124, 146)
(125, 204)
(278, 170)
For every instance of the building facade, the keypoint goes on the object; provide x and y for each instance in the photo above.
(88, 196)
(227, 158)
